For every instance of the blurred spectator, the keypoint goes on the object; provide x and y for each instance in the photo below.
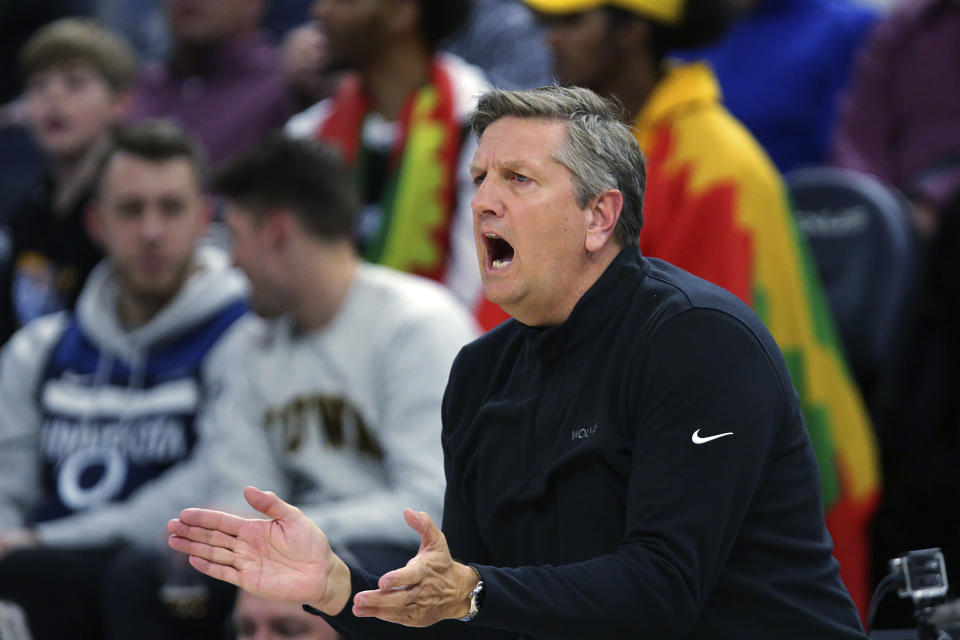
(399, 120)
(782, 68)
(901, 120)
(78, 76)
(503, 38)
(223, 80)
(18, 21)
(107, 424)
(21, 163)
(917, 412)
(717, 207)
(257, 618)
(345, 380)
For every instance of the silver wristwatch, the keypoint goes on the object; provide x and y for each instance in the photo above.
(476, 599)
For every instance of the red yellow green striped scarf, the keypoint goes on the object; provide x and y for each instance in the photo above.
(420, 194)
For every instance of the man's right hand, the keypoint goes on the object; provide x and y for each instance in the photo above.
(286, 558)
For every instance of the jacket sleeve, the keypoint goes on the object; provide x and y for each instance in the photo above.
(21, 366)
(703, 371)
(412, 374)
(231, 452)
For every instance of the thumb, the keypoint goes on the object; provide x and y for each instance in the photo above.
(267, 503)
(419, 521)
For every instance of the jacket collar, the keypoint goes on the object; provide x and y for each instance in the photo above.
(611, 291)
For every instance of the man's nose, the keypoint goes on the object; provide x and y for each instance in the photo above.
(487, 200)
(153, 226)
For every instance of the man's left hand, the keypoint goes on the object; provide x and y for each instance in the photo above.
(432, 587)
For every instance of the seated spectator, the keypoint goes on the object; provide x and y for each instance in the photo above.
(18, 21)
(107, 420)
(20, 163)
(782, 68)
(716, 206)
(256, 618)
(345, 382)
(901, 119)
(399, 119)
(222, 80)
(77, 81)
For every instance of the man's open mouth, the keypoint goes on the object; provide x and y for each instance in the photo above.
(499, 251)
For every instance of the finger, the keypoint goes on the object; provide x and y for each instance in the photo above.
(210, 519)
(423, 524)
(199, 534)
(391, 605)
(218, 571)
(407, 616)
(413, 573)
(217, 555)
(267, 503)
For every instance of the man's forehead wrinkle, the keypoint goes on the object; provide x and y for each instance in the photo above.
(513, 164)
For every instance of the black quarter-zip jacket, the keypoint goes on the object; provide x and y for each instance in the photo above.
(640, 471)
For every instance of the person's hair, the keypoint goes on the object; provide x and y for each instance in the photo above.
(440, 19)
(303, 175)
(155, 140)
(599, 150)
(78, 40)
(703, 22)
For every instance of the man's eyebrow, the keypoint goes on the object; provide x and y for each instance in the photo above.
(518, 166)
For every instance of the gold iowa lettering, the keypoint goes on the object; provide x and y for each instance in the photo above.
(340, 425)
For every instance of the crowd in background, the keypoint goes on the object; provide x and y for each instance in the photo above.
(142, 141)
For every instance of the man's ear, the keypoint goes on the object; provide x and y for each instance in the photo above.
(602, 217)
(93, 223)
(278, 228)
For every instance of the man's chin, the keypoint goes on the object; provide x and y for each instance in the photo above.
(500, 294)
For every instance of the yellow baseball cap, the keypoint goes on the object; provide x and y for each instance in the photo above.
(666, 11)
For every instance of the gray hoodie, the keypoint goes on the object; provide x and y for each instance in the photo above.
(105, 434)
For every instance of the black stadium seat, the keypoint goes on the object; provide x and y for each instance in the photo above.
(862, 242)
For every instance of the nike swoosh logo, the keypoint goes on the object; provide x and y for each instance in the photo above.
(698, 440)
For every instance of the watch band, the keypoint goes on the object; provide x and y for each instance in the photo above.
(476, 600)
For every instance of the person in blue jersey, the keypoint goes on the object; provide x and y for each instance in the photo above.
(107, 419)
(625, 458)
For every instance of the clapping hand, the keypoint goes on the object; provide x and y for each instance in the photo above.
(286, 558)
(430, 588)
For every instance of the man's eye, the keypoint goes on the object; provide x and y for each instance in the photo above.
(519, 177)
(478, 179)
